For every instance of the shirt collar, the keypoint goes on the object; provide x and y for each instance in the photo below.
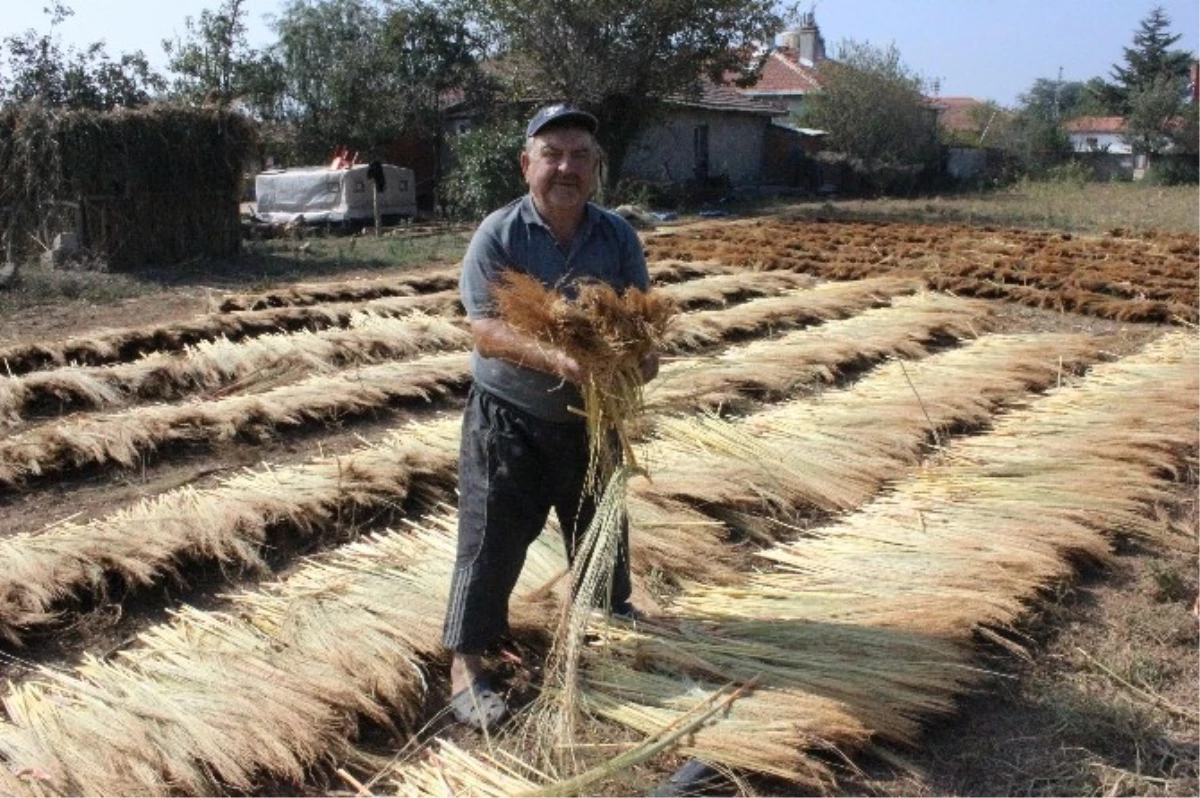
(530, 215)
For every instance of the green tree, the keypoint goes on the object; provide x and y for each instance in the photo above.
(212, 61)
(620, 58)
(873, 108)
(1039, 145)
(1150, 88)
(39, 68)
(1037, 142)
(1185, 133)
(1154, 109)
(432, 58)
(1054, 100)
(1148, 62)
(359, 73)
(324, 58)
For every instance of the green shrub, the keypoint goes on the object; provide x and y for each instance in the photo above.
(486, 172)
(646, 194)
(1173, 172)
(1071, 173)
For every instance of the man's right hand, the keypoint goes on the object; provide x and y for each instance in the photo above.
(569, 368)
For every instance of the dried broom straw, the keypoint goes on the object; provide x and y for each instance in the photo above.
(609, 335)
(555, 712)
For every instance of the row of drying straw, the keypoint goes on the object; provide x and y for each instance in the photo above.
(38, 572)
(382, 330)
(119, 345)
(133, 436)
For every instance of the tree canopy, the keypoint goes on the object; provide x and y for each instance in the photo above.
(213, 62)
(1149, 89)
(359, 73)
(873, 107)
(1053, 100)
(38, 68)
(1149, 61)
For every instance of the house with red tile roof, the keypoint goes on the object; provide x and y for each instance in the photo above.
(1098, 134)
(965, 119)
(792, 69)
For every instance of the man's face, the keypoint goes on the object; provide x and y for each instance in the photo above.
(560, 168)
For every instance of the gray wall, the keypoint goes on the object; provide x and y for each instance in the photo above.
(665, 152)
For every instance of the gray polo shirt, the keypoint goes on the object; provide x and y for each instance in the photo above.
(605, 248)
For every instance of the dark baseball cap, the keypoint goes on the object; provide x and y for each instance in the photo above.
(560, 113)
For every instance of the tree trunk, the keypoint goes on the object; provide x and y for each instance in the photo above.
(622, 118)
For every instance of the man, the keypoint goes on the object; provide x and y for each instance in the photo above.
(523, 450)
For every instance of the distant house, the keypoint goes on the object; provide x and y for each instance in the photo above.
(971, 128)
(1098, 134)
(1099, 141)
(717, 133)
(965, 120)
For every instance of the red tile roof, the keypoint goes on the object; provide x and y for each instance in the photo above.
(959, 113)
(784, 74)
(1095, 124)
(716, 97)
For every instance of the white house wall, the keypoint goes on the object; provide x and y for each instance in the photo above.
(1104, 142)
(664, 152)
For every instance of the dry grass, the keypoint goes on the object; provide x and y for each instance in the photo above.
(213, 702)
(697, 331)
(609, 334)
(853, 619)
(969, 541)
(1091, 208)
(1149, 276)
(224, 366)
(805, 360)
(132, 436)
(127, 438)
(228, 524)
(423, 282)
(848, 677)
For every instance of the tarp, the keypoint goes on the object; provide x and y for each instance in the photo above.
(321, 194)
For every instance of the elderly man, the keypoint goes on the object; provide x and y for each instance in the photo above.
(523, 450)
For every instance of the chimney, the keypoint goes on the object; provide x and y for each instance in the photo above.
(805, 40)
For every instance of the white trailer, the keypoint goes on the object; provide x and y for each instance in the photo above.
(335, 196)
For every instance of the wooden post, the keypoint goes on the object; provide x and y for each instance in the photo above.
(375, 201)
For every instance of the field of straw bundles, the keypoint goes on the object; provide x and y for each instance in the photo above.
(918, 516)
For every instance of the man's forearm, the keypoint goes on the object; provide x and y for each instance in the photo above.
(494, 338)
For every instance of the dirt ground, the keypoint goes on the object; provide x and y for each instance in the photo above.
(1103, 700)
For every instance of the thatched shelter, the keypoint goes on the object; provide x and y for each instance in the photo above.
(155, 185)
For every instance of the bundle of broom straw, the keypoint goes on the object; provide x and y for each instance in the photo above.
(608, 334)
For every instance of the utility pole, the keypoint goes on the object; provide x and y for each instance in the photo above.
(1057, 90)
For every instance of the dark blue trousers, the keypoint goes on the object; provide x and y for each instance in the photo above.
(513, 469)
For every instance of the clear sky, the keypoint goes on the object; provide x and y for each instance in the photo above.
(996, 49)
(987, 49)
